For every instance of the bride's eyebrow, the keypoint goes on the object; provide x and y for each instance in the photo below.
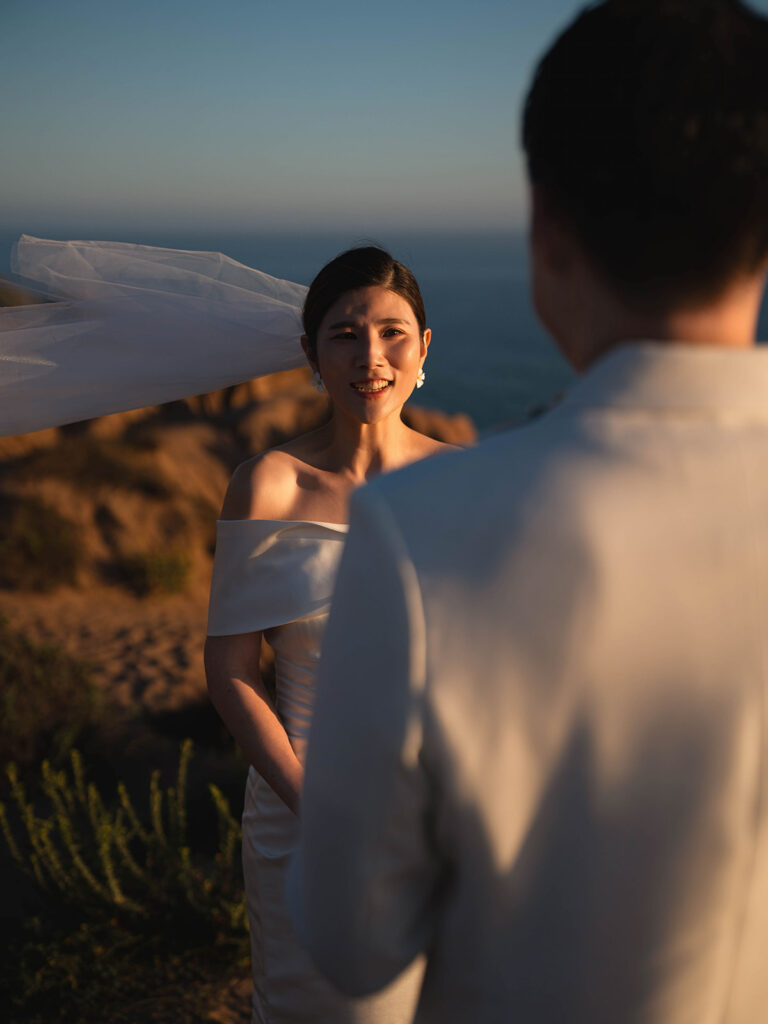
(353, 323)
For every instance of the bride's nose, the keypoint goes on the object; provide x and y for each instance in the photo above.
(370, 348)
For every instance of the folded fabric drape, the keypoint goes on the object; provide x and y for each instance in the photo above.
(134, 326)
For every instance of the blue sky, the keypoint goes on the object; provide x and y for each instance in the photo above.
(267, 114)
(279, 114)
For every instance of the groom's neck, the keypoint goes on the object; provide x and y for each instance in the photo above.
(728, 320)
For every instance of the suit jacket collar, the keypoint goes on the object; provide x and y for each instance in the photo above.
(676, 377)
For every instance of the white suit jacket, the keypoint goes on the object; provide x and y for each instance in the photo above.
(539, 745)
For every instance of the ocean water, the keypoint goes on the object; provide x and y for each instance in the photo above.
(489, 356)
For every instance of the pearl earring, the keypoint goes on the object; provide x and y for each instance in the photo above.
(317, 382)
(421, 376)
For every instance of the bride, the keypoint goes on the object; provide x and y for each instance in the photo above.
(279, 540)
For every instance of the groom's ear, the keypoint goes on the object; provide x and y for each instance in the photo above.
(557, 271)
(552, 241)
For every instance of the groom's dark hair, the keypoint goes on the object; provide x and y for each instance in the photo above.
(646, 126)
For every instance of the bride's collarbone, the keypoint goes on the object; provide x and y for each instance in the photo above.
(318, 499)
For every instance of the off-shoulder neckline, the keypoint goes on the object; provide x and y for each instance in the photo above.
(289, 522)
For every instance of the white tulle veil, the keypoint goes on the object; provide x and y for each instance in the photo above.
(135, 325)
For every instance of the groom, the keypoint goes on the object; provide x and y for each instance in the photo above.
(540, 747)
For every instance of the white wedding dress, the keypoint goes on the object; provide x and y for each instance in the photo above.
(277, 578)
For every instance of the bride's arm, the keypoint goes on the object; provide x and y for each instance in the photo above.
(239, 695)
(235, 686)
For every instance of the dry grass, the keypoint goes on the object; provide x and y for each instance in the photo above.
(93, 463)
(47, 699)
(39, 548)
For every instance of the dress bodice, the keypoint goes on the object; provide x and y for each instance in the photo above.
(276, 577)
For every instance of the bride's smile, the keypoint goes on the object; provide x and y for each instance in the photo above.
(372, 387)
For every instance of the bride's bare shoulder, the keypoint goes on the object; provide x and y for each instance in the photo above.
(263, 487)
(426, 446)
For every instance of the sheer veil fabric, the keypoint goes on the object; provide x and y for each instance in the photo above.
(134, 325)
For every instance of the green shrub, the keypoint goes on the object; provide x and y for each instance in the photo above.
(130, 911)
(113, 859)
(154, 572)
(47, 698)
(39, 548)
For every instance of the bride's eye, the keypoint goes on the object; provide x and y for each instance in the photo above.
(392, 332)
(343, 335)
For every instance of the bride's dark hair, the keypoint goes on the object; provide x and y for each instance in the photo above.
(366, 267)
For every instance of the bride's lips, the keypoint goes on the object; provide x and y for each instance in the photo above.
(374, 387)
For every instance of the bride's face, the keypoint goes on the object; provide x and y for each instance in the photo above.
(369, 352)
